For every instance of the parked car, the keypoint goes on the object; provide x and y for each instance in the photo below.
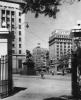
(68, 70)
(59, 73)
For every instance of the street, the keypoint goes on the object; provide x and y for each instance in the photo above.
(35, 88)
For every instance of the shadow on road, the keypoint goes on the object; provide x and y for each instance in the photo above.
(60, 98)
(16, 90)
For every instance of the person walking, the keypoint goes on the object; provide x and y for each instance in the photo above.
(52, 72)
(42, 74)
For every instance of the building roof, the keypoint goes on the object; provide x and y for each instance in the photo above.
(60, 32)
(14, 1)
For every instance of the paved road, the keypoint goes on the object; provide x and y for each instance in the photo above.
(35, 88)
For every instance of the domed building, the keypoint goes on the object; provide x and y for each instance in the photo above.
(39, 56)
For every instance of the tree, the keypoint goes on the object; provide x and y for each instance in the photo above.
(63, 61)
(29, 63)
(46, 7)
(47, 60)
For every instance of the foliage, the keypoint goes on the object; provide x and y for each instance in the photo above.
(29, 64)
(29, 59)
(47, 55)
(64, 60)
(46, 7)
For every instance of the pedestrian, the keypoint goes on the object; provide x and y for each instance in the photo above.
(52, 72)
(42, 74)
(63, 72)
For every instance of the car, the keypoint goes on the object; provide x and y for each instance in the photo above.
(59, 73)
(68, 70)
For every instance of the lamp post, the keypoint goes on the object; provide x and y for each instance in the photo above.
(76, 38)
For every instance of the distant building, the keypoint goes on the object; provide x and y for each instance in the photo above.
(11, 13)
(59, 44)
(39, 55)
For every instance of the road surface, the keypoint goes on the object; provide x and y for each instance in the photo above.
(35, 88)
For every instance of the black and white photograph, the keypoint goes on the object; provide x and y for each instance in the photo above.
(40, 49)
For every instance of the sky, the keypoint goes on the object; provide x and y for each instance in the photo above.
(40, 28)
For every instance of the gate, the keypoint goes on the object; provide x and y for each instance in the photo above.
(4, 76)
(6, 65)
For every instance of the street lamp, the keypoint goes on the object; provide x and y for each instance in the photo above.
(76, 38)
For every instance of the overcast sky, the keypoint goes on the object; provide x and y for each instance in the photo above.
(40, 28)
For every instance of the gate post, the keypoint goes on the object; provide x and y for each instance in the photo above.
(10, 83)
(6, 84)
(76, 38)
(74, 76)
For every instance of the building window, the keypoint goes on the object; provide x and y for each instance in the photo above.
(60, 46)
(8, 19)
(19, 32)
(57, 45)
(57, 55)
(13, 35)
(64, 46)
(57, 49)
(19, 20)
(20, 63)
(3, 19)
(68, 46)
(3, 11)
(19, 39)
(64, 49)
(64, 52)
(19, 13)
(19, 51)
(68, 50)
(12, 13)
(19, 45)
(12, 32)
(12, 26)
(19, 26)
(12, 19)
(61, 49)
(13, 45)
(8, 25)
(8, 12)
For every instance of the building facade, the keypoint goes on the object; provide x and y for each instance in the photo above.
(39, 55)
(11, 13)
(60, 45)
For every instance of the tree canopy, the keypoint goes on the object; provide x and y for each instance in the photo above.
(46, 7)
(64, 59)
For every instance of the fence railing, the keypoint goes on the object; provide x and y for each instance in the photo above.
(4, 76)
